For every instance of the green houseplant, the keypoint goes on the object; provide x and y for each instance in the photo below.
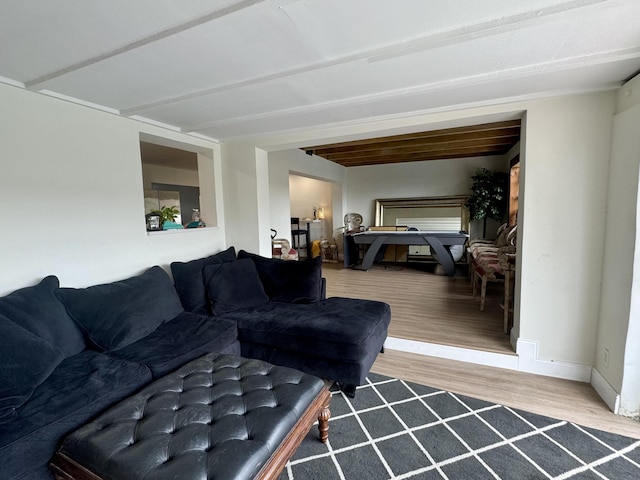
(488, 197)
(167, 214)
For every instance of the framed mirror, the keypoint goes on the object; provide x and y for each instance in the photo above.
(447, 213)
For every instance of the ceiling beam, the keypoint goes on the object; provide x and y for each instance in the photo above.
(497, 129)
(411, 158)
(487, 145)
(209, 17)
(488, 139)
(420, 44)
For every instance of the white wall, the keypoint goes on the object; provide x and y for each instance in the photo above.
(619, 326)
(246, 196)
(620, 246)
(171, 175)
(307, 193)
(71, 186)
(562, 223)
(211, 188)
(286, 162)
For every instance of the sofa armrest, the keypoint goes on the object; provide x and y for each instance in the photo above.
(323, 289)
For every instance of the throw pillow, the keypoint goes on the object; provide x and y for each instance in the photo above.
(234, 285)
(113, 315)
(289, 281)
(189, 282)
(38, 310)
(27, 360)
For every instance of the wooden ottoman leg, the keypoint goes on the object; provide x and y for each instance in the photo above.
(319, 409)
(323, 423)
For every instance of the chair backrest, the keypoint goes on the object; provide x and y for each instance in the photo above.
(295, 221)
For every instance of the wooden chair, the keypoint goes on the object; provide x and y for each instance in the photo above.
(296, 233)
(508, 265)
(506, 236)
(499, 268)
(487, 269)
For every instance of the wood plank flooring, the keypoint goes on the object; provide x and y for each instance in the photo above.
(426, 307)
(439, 309)
(575, 402)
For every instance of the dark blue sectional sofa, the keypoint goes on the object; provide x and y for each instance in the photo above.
(67, 354)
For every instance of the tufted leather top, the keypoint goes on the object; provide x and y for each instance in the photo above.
(217, 417)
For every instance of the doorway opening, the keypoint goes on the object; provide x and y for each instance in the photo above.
(311, 201)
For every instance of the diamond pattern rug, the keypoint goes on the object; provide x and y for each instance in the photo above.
(395, 429)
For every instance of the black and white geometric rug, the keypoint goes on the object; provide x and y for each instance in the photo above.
(395, 429)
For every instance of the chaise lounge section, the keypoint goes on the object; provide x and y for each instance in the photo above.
(283, 318)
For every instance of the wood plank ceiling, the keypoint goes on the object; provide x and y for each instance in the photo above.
(471, 141)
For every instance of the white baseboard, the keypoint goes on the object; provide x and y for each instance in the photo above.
(529, 362)
(606, 391)
(526, 359)
(480, 357)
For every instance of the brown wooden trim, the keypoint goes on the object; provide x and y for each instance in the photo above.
(416, 158)
(470, 141)
(413, 141)
(431, 134)
(318, 410)
(428, 153)
(65, 468)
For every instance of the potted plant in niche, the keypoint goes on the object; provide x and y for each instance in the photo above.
(488, 197)
(166, 214)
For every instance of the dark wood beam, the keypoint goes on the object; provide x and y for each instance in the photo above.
(474, 140)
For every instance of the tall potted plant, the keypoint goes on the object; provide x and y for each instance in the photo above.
(488, 197)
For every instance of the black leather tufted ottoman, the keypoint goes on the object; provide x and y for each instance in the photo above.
(217, 417)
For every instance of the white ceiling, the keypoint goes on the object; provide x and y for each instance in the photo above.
(252, 69)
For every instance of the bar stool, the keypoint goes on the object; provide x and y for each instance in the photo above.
(296, 233)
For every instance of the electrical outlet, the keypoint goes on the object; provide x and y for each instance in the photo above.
(605, 357)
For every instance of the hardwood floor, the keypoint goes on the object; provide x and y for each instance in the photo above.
(439, 309)
(576, 402)
(426, 307)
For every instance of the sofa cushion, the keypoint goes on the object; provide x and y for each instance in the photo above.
(289, 281)
(117, 314)
(79, 388)
(26, 361)
(234, 285)
(336, 328)
(38, 310)
(185, 338)
(189, 283)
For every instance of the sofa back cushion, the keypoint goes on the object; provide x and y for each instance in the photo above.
(289, 281)
(189, 281)
(38, 310)
(113, 315)
(26, 360)
(234, 285)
